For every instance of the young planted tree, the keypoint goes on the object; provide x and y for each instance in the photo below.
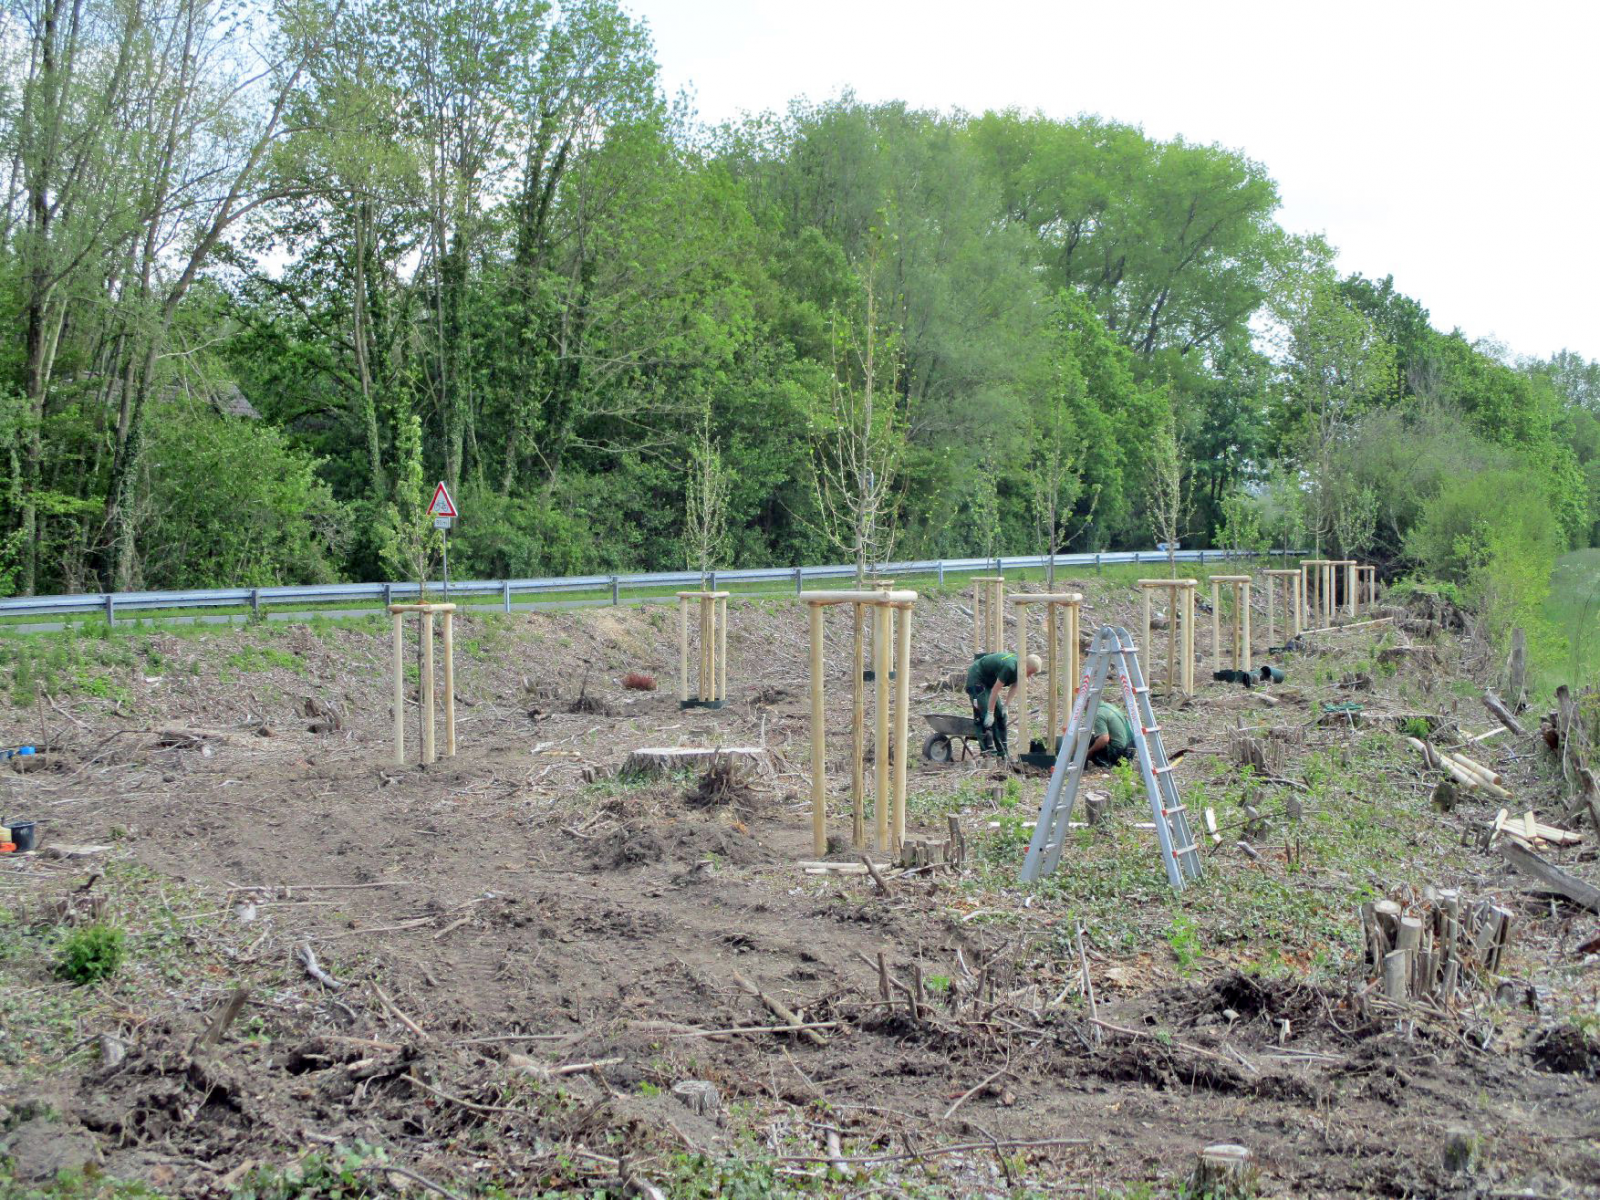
(1056, 454)
(1168, 493)
(859, 436)
(409, 542)
(705, 525)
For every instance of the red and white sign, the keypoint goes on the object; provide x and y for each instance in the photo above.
(443, 505)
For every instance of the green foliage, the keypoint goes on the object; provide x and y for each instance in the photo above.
(86, 1184)
(1416, 727)
(330, 1175)
(1489, 534)
(90, 953)
(233, 500)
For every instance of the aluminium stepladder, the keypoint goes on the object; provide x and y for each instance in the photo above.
(1178, 851)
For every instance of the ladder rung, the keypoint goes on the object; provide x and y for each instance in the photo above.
(1189, 849)
(1161, 770)
(1167, 812)
(1139, 691)
(1149, 729)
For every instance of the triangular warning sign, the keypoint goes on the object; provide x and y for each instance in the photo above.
(443, 505)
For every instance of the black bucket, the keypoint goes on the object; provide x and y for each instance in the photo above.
(22, 835)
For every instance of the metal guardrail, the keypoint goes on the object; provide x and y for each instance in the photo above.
(112, 603)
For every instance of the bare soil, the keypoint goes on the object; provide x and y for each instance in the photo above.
(500, 922)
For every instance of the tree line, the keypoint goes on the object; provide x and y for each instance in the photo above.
(270, 273)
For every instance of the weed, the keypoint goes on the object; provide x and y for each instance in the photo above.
(1185, 942)
(1416, 727)
(938, 983)
(87, 1184)
(90, 954)
(1124, 785)
(334, 1176)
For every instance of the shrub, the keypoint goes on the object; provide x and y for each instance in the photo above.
(90, 954)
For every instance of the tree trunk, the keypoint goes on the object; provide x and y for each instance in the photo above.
(369, 410)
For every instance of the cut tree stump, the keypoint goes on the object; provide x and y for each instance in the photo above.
(1225, 1172)
(665, 760)
(699, 1097)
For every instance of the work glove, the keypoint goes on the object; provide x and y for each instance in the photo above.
(988, 719)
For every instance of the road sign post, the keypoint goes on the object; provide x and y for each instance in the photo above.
(443, 511)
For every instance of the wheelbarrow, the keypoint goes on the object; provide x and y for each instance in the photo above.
(949, 730)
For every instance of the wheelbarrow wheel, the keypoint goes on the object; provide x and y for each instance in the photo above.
(937, 748)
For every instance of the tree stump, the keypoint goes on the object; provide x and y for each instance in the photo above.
(1460, 1149)
(699, 1097)
(1225, 1172)
(1444, 796)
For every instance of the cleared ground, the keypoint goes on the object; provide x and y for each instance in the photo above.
(530, 951)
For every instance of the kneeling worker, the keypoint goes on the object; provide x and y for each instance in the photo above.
(1113, 737)
(985, 677)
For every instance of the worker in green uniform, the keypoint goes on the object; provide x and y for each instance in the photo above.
(1113, 737)
(985, 677)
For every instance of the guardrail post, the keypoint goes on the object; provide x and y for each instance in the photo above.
(505, 594)
(1202, 558)
(388, 596)
(941, 572)
(1097, 568)
(616, 591)
(111, 611)
(1136, 559)
(713, 578)
(255, 603)
(799, 582)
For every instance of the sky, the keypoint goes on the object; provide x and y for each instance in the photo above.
(1453, 146)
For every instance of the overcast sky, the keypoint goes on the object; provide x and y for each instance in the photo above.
(1452, 145)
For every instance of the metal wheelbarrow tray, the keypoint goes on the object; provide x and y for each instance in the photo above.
(948, 729)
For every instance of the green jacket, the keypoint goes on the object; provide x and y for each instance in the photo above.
(991, 667)
(1108, 719)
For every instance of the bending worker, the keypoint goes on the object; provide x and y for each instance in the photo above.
(985, 677)
(1113, 737)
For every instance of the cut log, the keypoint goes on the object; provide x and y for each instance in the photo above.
(1477, 768)
(1498, 707)
(1430, 756)
(1552, 877)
